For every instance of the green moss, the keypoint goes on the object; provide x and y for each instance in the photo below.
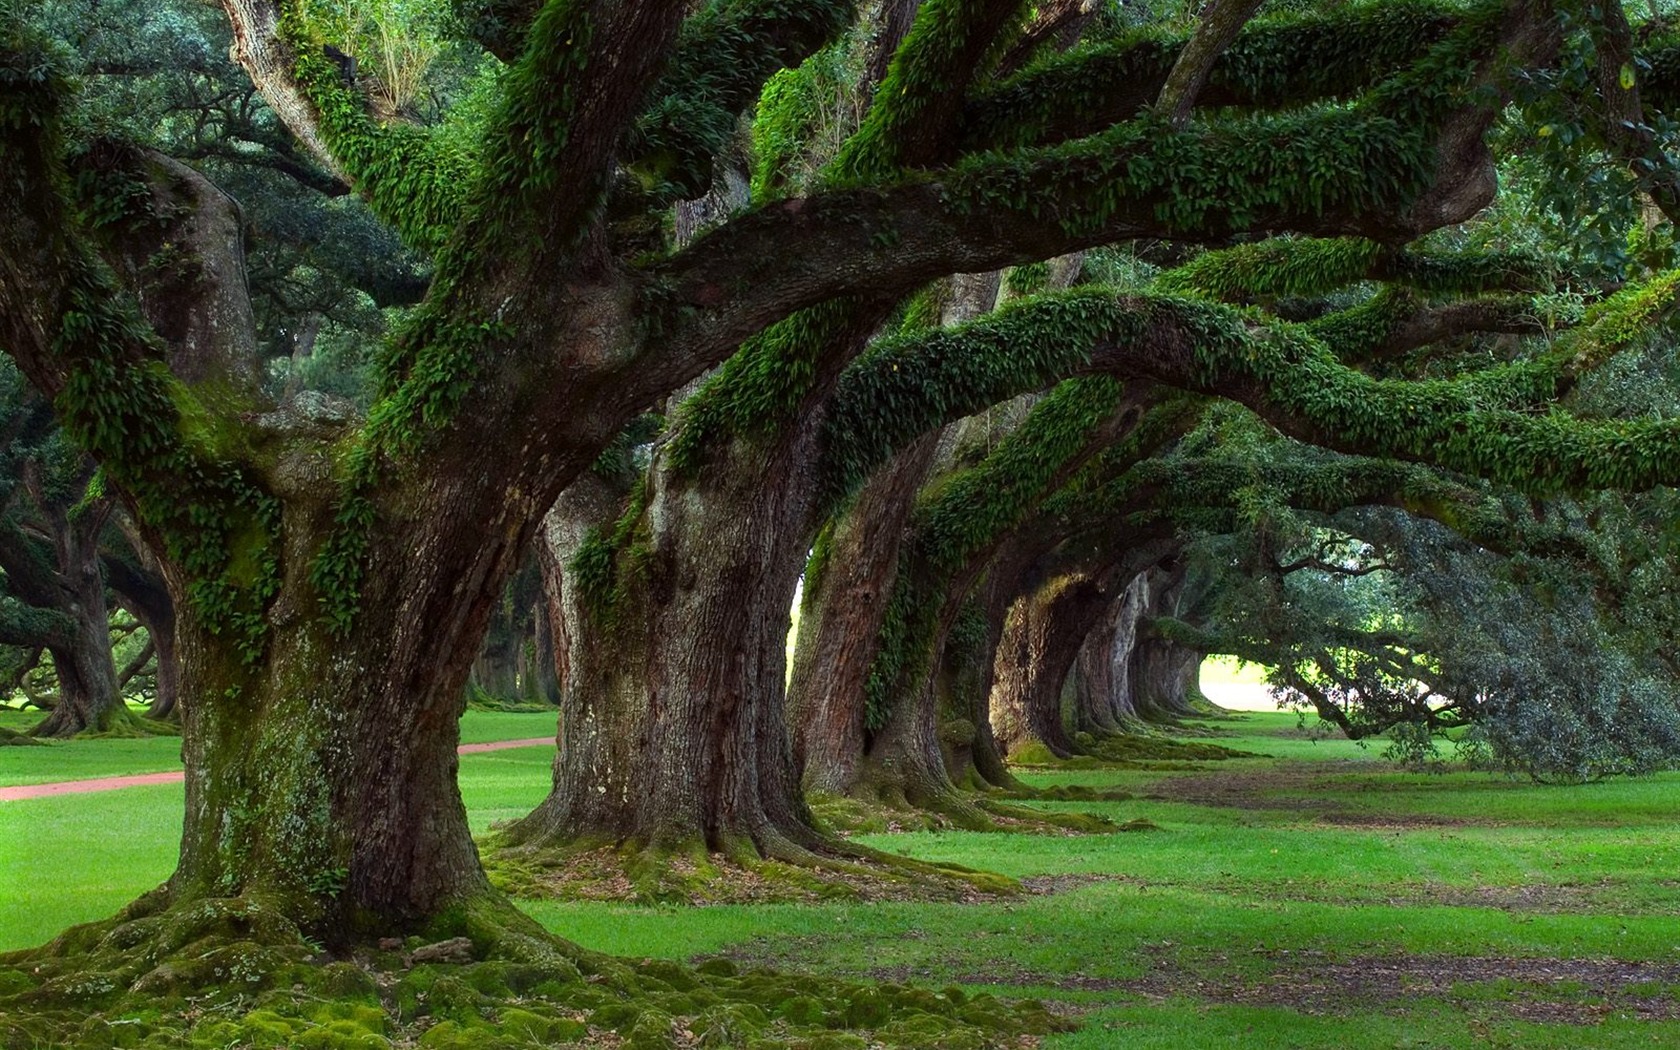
(609, 560)
(729, 52)
(963, 514)
(1279, 62)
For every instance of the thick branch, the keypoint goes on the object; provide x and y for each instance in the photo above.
(1274, 64)
(1221, 21)
(1626, 132)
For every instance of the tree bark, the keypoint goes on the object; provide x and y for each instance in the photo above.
(323, 775)
(843, 605)
(72, 585)
(1043, 634)
(1102, 693)
(1165, 676)
(672, 731)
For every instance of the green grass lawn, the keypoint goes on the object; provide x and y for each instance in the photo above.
(1311, 899)
(85, 759)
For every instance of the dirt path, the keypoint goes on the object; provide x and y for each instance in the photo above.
(77, 787)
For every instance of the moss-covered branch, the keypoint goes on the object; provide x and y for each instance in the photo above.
(914, 115)
(722, 60)
(1276, 63)
(1312, 267)
(78, 337)
(1217, 181)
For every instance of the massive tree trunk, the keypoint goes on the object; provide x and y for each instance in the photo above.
(1042, 635)
(323, 775)
(1164, 676)
(554, 645)
(672, 732)
(1102, 693)
(844, 603)
(89, 699)
(1165, 679)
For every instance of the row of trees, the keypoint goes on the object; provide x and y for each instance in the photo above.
(1051, 348)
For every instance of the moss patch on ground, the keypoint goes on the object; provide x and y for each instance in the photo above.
(608, 873)
(222, 973)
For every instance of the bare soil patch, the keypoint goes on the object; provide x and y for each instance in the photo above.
(1302, 788)
(608, 874)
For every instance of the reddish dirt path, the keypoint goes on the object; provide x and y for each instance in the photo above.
(77, 787)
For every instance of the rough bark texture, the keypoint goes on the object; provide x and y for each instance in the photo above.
(842, 609)
(1042, 635)
(326, 773)
(1164, 676)
(672, 725)
(1102, 691)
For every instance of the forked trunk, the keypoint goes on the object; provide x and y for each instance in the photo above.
(139, 588)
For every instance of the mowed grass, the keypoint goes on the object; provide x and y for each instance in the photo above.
(79, 759)
(1310, 899)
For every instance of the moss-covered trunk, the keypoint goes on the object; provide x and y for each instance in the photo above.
(673, 735)
(314, 782)
(321, 763)
(1043, 633)
(844, 603)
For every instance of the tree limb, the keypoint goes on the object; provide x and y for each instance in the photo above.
(1221, 21)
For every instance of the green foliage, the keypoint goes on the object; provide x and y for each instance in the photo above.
(725, 56)
(121, 405)
(1312, 267)
(966, 513)
(909, 384)
(949, 44)
(1278, 62)
(803, 116)
(33, 83)
(413, 179)
(1232, 174)
(610, 558)
(759, 389)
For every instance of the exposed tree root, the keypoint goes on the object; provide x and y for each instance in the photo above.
(988, 811)
(236, 973)
(134, 726)
(1128, 751)
(782, 871)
